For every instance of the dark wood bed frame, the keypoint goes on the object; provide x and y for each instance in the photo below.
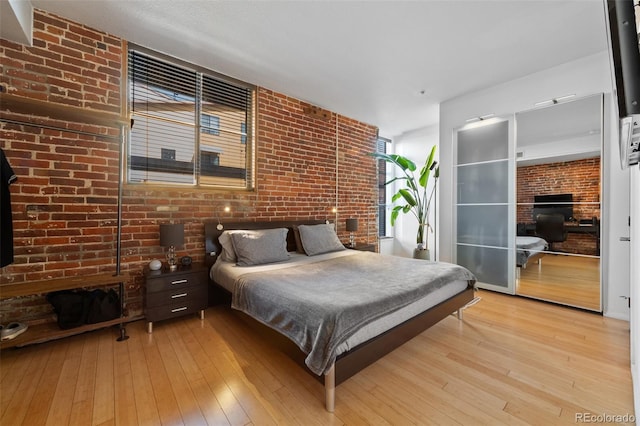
(351, 362)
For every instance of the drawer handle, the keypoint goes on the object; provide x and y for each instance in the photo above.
(184, 308)
(178, 282)
(176, 296)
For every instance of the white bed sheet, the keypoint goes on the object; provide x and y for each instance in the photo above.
(225, 274)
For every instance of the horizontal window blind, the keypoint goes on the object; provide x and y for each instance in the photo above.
(199, 118)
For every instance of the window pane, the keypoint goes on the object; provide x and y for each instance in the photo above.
(381, 146)
(149, 137)
(226, 106)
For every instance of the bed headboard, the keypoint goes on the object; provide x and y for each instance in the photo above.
(212, 233)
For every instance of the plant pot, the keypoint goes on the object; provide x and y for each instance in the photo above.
(419, 253)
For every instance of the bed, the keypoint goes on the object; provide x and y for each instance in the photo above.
(379, 307)
(529, 249)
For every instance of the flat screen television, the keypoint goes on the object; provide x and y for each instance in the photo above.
(553, 204)
(624, 50)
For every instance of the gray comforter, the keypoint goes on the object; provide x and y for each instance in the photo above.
(319, 305)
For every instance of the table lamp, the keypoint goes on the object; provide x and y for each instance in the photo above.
(172, 235)
(352, 226)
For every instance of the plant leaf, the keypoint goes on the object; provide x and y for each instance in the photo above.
(408, 197)
(404, 162)
(400, 161)
(394, 214)
(426, 170)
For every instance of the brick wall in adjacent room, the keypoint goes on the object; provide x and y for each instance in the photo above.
(580, 178)
(65, 200)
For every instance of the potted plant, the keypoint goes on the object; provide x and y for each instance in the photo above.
(414, 196)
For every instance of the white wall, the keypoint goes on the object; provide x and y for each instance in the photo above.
(414, 145)
(635, 284)
(583, 77)
(16, 21)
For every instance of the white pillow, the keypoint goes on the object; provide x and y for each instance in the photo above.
(318, 239)
(260, 246)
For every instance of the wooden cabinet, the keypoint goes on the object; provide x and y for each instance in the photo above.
(171, 294)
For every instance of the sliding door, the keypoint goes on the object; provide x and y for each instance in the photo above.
(484, 223)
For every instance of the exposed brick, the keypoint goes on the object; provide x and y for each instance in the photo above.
(65, 200)
(580, 178)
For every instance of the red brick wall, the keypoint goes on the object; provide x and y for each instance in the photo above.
(580, 178)
(65, 200)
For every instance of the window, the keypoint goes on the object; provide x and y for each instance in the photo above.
(210, 124)
(168, 154)
(189, 125)
(382, 144)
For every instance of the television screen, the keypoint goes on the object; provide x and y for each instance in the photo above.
(624, 48)
(554, 204)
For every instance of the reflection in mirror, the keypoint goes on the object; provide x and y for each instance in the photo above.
(558, 203)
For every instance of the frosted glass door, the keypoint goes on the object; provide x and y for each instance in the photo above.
(483, 207)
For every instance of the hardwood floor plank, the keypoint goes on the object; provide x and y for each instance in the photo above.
(185, 398)
(81, 410)
(104, 393)
(65, 389)
(145, 401)
(18, 387)
(214, 364)
(354, 408)
(189, 352)
(165, 400)
(42, 398)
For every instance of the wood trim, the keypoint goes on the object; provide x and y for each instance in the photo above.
(8, 291)
(37, 109)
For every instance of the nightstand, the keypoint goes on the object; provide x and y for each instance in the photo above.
(362, 247)
(171, 294)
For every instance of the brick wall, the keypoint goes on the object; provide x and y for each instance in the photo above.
(65, 200)
(580, 178)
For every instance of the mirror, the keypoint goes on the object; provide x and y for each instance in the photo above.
(558, 159)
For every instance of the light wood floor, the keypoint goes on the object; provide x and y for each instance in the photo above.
(510, 361)
(571, 280)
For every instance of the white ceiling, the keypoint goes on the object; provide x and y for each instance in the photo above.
(387, 63)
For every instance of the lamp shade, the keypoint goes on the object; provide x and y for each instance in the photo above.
(352, 224)
(171, 234)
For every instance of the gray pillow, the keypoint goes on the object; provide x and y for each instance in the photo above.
(318, 239)
(228, 254)
(260, 246)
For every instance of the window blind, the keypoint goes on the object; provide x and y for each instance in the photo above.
(200, 117)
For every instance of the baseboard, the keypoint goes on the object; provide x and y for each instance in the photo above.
(635, 377)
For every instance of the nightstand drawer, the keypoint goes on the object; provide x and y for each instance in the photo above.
(176, 309)
(177, 295)
(175, 282)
